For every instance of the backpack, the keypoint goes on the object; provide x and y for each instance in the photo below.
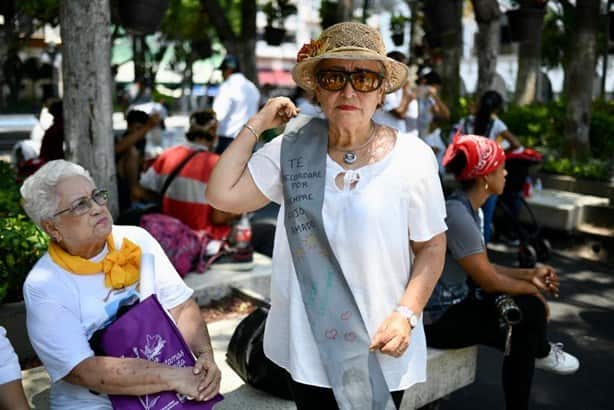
(184, 247)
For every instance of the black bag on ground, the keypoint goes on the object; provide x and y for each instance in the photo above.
(245, 355)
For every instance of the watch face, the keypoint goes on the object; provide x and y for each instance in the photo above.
(411, 317)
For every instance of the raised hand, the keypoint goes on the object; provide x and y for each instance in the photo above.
(276, 112)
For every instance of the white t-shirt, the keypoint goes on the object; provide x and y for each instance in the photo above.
(369, 228)
(64, 310)
(425, 114)
(236, 101)
(9, 363)
(385, 117)
(434, 141)
(497, 127)
(411, 119)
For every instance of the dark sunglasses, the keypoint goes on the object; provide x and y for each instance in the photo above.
(82, 205)
(363, 81)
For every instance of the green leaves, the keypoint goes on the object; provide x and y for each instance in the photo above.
(592, 169)
(542, 126)
(277, 11)
(398, 23)
(9, 191)
(21, 242)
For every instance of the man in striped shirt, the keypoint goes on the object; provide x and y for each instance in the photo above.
(185, 197)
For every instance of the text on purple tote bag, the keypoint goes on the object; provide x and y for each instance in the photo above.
(146, 332)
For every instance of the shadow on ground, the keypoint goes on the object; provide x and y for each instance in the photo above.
(582, 319)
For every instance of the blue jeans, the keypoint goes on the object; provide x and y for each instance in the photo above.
(489, 212)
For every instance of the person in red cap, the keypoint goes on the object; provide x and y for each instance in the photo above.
(478, 302)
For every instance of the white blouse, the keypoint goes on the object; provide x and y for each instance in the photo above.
(369, 228)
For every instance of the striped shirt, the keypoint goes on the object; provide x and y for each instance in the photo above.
(185, 197)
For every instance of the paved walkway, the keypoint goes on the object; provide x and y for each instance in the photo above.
(583, 319)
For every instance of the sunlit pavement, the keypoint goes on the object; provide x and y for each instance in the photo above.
(583, 319)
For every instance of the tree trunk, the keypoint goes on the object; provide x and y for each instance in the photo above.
(10, 72)
(451, 53)
(243, 46)
(579, 72)
(5, 35)
(88, 127)
(4, 50)
(345, 10)
(138, 57)
(487, 15)
(247, 51)
(529, 57)
(414, 28)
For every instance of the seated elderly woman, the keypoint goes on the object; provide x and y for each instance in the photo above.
(71, 293)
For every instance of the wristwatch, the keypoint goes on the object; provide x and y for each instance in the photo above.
(411, 317)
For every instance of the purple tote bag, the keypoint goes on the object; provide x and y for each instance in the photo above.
(147, 332)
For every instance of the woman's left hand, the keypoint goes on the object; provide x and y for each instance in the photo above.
(546, 279)
(210, 385)
(392, 336)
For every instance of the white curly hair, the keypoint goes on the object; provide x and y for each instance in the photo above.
(40, 199)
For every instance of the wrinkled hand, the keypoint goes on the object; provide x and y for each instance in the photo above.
(276, 112)
(209, 386)
(392, 336)
(546, 279)
(185, 382)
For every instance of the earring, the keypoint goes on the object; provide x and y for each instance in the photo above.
(486, 187)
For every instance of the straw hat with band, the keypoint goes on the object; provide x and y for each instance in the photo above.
(347, 41)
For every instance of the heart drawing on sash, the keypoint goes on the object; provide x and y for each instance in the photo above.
(331, 334)
(349, 337)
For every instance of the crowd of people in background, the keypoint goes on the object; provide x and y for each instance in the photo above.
(365, 112)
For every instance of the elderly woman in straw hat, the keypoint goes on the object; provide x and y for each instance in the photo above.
(91, 269)
(360, 242)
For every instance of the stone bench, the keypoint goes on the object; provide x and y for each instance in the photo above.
(447, 371)
(560, 210)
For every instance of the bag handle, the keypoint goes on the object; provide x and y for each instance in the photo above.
(171, 177)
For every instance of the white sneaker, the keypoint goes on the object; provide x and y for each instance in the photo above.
(558, 361)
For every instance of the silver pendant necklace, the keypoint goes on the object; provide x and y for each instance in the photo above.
(350, 155)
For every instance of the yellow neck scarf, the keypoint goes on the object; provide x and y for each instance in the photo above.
(121, 267)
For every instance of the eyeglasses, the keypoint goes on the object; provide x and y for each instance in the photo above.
(363, 81)
(82, 205)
